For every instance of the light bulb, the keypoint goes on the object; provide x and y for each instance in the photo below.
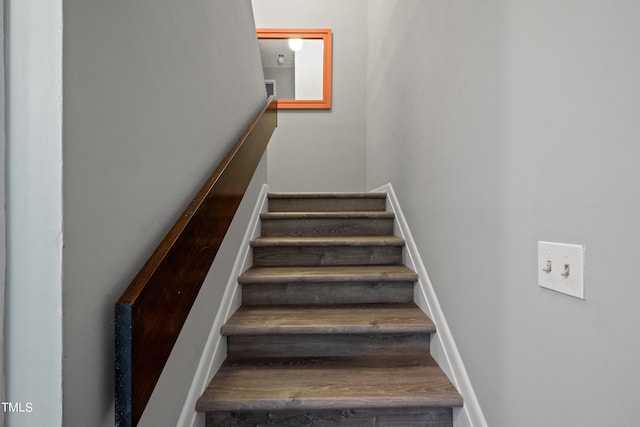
(295, 44)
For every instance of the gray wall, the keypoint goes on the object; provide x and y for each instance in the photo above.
(501, 123)
(322, 150)
(155, 93)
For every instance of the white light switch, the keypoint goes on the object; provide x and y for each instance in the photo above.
(561, 268)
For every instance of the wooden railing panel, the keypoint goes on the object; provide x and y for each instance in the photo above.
(151, 312)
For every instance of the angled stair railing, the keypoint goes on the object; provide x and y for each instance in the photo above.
(151, 312)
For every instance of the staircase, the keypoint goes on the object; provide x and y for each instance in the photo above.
(328, 334)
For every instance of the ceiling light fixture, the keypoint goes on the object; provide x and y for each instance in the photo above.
(295, 44)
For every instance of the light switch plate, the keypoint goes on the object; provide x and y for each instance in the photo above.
(555, 260)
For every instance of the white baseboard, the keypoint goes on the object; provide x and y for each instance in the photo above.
(215, 349)
(443, 346)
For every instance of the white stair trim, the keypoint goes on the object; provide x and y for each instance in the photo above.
(443, 346)
(215, 349)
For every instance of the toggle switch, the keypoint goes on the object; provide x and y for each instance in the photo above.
(561, 268)
(565, 272)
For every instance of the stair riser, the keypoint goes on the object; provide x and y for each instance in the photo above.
(327, 293)
(326, 255)
(327, 227)
(328, 345)
(409, 417)
(327, 205)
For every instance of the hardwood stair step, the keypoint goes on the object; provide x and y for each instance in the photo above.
(329, 215)
(325, 345)
(331, 250)
(327, 293)
(322, 202)
(328, 241)
(329, 383)
(335, 319)
(368, 417)
(370, 223)
(328, 285)
(357, 273)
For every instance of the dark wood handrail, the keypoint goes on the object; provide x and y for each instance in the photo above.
(151, 312)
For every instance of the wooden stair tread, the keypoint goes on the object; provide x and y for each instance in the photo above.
(328, 241)
(329, 195)
(327, 202)
(329, 215)
(332, 382)
(334, 319)
(357, 273)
